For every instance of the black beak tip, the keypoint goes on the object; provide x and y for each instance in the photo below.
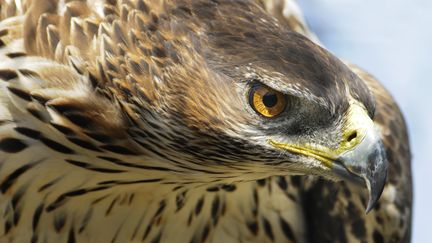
(375, 190)
(371, 171)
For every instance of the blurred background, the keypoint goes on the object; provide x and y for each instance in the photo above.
(392, 39)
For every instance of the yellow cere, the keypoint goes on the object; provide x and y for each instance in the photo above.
(357, 124)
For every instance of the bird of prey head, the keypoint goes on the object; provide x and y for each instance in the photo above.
(220, 90)
(239, 93)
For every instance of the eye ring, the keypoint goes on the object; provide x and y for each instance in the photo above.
(266, 101)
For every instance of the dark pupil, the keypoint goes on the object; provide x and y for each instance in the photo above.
(270, 99)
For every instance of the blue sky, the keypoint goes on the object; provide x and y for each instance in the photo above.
(393, 40)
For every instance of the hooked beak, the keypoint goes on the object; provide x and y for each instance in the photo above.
(365, 164)
(360, 157)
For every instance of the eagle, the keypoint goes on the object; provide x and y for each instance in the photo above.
(191, 121)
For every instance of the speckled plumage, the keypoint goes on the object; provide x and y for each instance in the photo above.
(125, 121)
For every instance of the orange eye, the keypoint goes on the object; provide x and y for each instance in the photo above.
(267, 101)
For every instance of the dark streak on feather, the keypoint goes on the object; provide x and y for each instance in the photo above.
(85, 220)
(268, 229)
(215, 209)
(131, 198)
(12, 145)
(129, 182)
(99, 199)
(56, 146)
(199, 205)
(28, 72)
(40, 99)
(286, 229)
(28, 132)
(378, 237)
(20, 93)
(36, 113)
(63, 129)
(4, 32)
(118, 149)
(190, 218)
(49, 184)
(180, 201)
(253, 227)
(212, 189)
(71, 237)
(16, 216)
(70, 194)
(7, 74)
(59, 222)
(36, 216)
(91, 167)
(34, 238)
(11, 178)
(262, 182)
(281, 181)
(84, 144)
(111, 206)
(17, 196)
(99, 137)
(229, 187)
(144, 167)
(205, 233)
(7, 226)
(157, 238)
(78, 119)
(137, 227)
(16, 54)
(147, 231)
(162, 205)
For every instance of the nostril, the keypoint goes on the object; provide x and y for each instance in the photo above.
(352, 136)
